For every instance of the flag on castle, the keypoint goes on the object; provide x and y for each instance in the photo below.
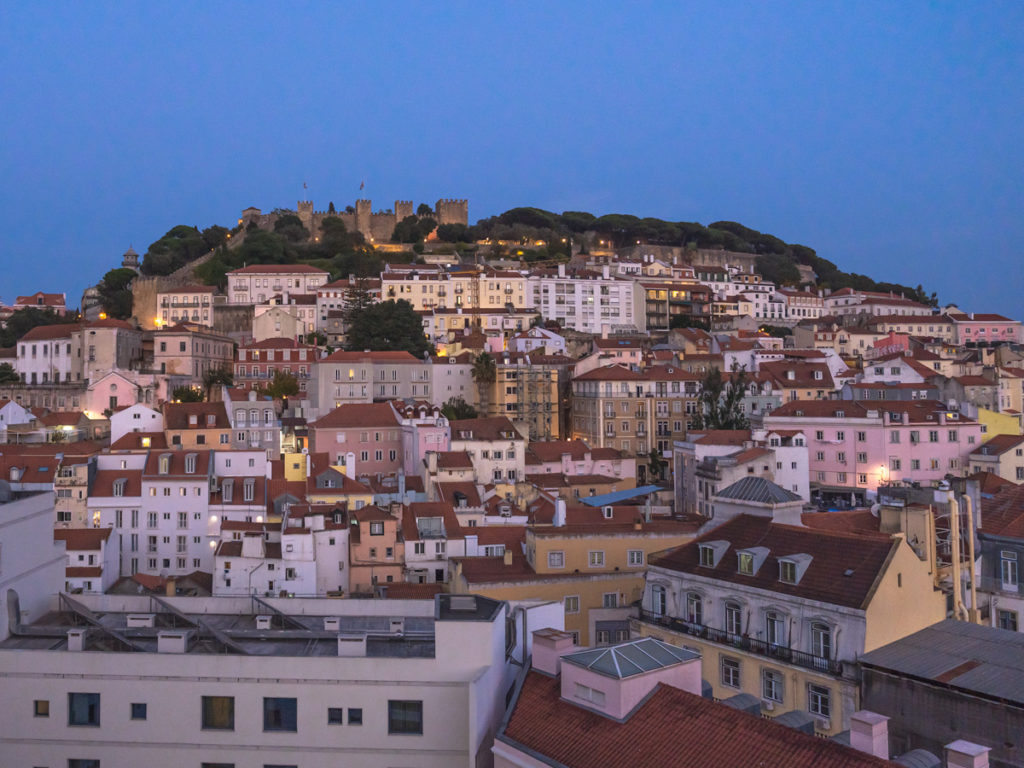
(305, 185)
(361, 185)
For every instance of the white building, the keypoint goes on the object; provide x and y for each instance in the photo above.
(497, 450)
(93, 558)
(236, 681)
(50, 354)
(135, 418)
(590, 302)
(31, 562)
(257, 283)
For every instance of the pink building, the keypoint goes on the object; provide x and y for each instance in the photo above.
(977, 327)
(366, 438)
(424, 429)
(855, 446)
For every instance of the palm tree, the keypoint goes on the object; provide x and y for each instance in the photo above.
(485, 373)
(215, 377)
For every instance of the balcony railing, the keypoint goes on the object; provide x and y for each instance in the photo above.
(741, 642)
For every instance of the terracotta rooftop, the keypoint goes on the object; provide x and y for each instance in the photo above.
(999, 445)
(77, 539)
(133, 441)
(553, 450)
(50, 332)
(669, 729)
(843, 570)
(490, 428)
(1003, 514)
(454, 460)
(277, 269)
(354, 415)
(178, 416)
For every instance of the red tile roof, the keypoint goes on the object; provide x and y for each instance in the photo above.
(553, 450)
(132, 441)
(826, 578)
(670, 729)
(454, 460)
(79, 539)
(87, 571)
(177, 416)
(1003, 514)
(49, 332)
(352, 415)
(487, 428)
(998, 445)
(103, 482)
(277, 269)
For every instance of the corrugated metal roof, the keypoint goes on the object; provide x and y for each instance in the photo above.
(616, 496)
(758, 490)
(631, 658)
(984, 660)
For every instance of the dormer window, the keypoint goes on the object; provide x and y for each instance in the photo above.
(817, 376)
(164, 464)
(746, 563)
(707, 556)
(749, 561)
(711, 553)
(793, 567)
(119, 485)
(227, 491)
(787, 571)
(190, 464)
(211, 419)
(193, 420)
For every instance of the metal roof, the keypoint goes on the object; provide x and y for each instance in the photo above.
(758, 490)
(633, 658)
(984, 660)
(616, 496)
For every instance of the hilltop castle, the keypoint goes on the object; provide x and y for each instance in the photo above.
(375, 226)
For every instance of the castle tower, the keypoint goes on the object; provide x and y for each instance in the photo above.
(364, 218)
(403, 208)
(304, 208)
(452, 211)
(130, 259)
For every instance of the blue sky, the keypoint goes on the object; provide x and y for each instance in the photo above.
(884, 135)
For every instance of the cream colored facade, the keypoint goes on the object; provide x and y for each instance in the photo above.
(430, 289)
(527, 394)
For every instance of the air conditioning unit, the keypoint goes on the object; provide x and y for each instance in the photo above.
(823, 724)
(767, 705)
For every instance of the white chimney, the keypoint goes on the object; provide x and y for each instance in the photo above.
(869, 732)
(172, 642)
(966, 754)
(76, 639)
(549, 645)
(559, 519)
(350, 646)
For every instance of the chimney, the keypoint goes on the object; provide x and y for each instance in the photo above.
(508, 557)
(604, 271)
(965, 754)
(869, 733)
(549, 645)
(559, 519)
(76, 639)
(171, 588)
(561, 270)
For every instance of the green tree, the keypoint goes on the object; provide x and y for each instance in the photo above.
(778, 268)
(454, 233)
(330, 207)
(718, 406)
(317, 338)
(656, 465)
(356, 299)
(216, 377)
(215, 236)
(387, 326)
(457, 408)
(115, 292)
(8, 375)
(290, 227)
(282, 386)
(174, 250)
(484, 373)
(424, 210)
(187, 395)
(24, 320)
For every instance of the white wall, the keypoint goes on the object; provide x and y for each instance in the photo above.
(31, 563)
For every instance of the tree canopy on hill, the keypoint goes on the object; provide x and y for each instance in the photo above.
(179, 246)
(340, 252)
(387, 326)
(115, 293)
(24, 320)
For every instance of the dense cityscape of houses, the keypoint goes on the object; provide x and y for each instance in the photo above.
(815, 564)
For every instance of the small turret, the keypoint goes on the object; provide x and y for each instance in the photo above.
(130, 260)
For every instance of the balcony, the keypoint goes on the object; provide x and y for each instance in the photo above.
(749, 644)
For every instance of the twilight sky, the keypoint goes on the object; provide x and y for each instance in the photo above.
(885, 135)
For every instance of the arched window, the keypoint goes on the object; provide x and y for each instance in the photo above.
(694, 608)
(733, 618)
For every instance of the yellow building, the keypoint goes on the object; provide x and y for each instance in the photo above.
(525, 390)
(1005, 423)
(783, 612)
(466, 288)
(197, 425)
(588, 566)
(1001, 455)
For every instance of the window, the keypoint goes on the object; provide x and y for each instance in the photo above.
(707, 557)
(1008, 569)
(862, 437)
(335, 716)
(596, 558)
(658, 599)
(139, 711)
(405, 717)
(280, 714)
(610, 600)
(592, 695)
(1007, 620)
(572, 603)
(85, 763)
(377, 529)
(730, 672)
(219, 713)
(821, 640)
(694, 608)
(41, 708)
(635, 557)
(355, 716)
(746, 563)
(775, 629)
(84, 709)
(771, 684)
(819, 700)
(733, 619)
(556, 559)
(787, 571)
